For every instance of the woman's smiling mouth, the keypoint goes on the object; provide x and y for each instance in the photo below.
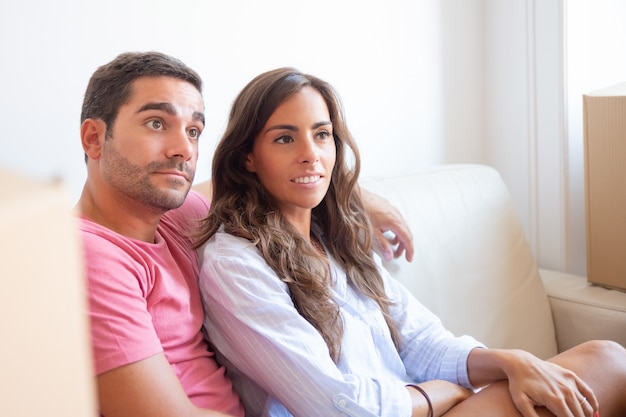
(307, 180)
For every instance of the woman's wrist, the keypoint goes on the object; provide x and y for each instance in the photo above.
(486, 366)
(436, 397)
(431, 411)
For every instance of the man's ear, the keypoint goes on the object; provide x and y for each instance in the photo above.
(250, 164)
(92, 135)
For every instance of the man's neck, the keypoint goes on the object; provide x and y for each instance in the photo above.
(123, 216)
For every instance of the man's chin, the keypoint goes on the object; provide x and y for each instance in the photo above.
(166, 200)
(177, 198)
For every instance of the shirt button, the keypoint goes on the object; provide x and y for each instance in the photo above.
(341, 403)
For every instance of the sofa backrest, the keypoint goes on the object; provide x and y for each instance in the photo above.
(473, 266)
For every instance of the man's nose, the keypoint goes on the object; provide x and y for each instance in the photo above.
(180, 144)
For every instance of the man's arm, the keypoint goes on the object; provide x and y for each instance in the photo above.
(387, 218)
(205, 188)
(147, 388)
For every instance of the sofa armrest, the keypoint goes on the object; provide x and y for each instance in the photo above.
(583, 311)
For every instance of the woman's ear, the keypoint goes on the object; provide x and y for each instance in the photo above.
(92, 135)
(250, 164)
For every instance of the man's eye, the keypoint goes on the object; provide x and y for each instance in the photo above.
(194, 133)
(155, 124)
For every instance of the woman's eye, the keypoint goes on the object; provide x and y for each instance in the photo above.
(324, 134)
(284, 139)
(155, 124)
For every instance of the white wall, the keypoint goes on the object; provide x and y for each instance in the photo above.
(424, 82)
(409, 71)
(596, 41)
(524, 110)
(541, 57)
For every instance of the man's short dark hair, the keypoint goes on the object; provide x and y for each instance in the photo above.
(110, 85)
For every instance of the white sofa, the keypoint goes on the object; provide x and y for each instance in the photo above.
(474, 268)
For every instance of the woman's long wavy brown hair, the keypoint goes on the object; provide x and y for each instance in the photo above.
(242, 206)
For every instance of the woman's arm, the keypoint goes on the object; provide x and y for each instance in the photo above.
(438, 396)
(429, 351)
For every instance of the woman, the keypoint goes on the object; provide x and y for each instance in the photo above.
(302, 313)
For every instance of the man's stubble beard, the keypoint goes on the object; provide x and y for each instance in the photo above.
(135, 182)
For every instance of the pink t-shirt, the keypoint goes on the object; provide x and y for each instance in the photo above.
(144, 299)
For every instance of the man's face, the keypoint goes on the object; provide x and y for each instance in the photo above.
(150, 154)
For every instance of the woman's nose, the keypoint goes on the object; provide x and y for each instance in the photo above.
(308, 151)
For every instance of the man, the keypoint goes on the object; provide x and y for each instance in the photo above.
(142, 116)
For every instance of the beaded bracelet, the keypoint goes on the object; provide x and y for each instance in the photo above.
(431, 412)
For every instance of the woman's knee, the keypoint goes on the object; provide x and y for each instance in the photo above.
(604, 354)
(604, 349)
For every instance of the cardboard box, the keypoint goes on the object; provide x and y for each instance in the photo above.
(604, 121)
(45, 366)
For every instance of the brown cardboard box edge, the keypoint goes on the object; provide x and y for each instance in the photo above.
(46, 350)
(604, 122)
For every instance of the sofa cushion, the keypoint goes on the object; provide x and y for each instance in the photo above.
(473, 266)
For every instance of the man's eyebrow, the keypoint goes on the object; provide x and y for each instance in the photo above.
(199, 116)
(170, 109)
(166, 107)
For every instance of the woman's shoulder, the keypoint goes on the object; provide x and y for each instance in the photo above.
(223, 245)
(239, 259)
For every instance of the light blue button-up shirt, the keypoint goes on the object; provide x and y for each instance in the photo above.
(280, 364)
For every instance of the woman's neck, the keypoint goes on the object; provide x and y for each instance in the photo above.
(301, 222)
(317, 244)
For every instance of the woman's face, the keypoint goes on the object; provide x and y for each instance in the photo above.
(295, 153)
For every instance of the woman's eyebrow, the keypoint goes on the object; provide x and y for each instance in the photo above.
(283, 127)
(322, 123)
(295, 128)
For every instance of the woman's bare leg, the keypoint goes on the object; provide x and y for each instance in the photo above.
(601, 364)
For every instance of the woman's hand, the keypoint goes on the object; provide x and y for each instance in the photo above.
(387, 218)
(535, 383)
(443, 396)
